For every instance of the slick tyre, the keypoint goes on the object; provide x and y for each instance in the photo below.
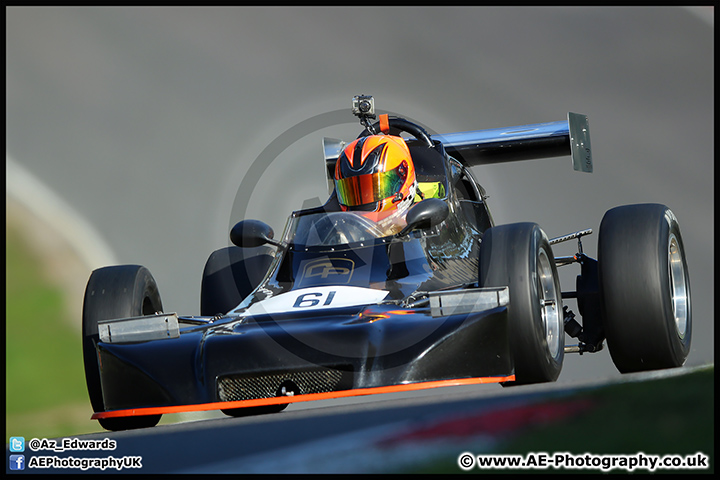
(115, 292)
(230, 275)
(519, 256)
(645, 288)
(251, 411)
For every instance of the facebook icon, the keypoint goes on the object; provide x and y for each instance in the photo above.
(17, 462)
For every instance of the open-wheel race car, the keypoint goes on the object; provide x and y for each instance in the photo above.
(340, 306)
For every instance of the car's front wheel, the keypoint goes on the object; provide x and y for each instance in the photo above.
(251, 411)
(519, 256)
(119, 291)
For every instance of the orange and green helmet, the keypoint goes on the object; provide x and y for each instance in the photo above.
(375, 174)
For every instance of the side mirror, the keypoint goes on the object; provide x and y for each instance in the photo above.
(252, 233)
(425, 214)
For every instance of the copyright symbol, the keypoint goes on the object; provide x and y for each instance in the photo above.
(34, 444)
(466, 461)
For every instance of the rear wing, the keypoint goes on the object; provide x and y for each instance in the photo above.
(500, 145)
(541, 140)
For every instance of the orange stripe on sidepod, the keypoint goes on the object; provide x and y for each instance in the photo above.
(405, 387)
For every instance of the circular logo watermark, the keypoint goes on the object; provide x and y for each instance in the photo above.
(343, 338)
(270, 153)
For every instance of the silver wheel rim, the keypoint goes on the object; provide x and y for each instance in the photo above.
(549, 305)
(678, 286)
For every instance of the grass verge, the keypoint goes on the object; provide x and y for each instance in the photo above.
(670, 416)
(45, 390)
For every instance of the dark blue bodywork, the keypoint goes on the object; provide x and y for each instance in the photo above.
(394, 341)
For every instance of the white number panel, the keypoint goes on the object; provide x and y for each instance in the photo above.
(316, 298)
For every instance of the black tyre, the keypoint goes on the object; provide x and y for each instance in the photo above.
(519, 256)
(250, 411)
(230, 275)
(645, 288)
(115, 292)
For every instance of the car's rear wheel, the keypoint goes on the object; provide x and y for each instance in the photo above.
(115, 292)
(519, 256)
(230, 275)
(645, 288)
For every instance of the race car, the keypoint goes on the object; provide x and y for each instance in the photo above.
(336, 307)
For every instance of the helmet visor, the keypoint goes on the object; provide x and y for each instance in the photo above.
(370, 188)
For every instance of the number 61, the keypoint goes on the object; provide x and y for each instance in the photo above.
(312, 299)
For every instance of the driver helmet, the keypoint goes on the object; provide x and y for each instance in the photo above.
(375, 177)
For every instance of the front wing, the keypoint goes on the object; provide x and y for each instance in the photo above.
(272, 360)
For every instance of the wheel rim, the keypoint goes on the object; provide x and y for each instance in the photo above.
(549, 304)
(678, 286)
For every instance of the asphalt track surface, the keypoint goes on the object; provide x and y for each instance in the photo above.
(390, 434)
(147, 120)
